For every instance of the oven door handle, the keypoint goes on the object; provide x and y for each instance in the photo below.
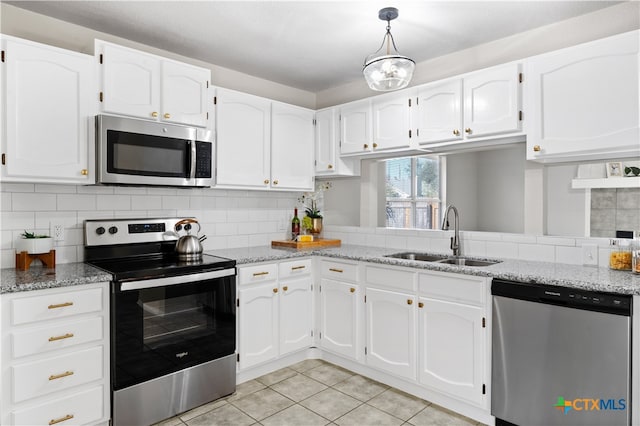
(178, 279)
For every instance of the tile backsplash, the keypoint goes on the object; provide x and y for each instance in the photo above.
(229, 218)
(614, 209)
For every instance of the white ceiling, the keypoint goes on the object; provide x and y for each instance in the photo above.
(310, 45)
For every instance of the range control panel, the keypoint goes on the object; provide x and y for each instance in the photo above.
(128, 231)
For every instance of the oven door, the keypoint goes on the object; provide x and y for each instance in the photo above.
(160, 326)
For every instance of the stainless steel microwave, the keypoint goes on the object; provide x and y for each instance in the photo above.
(137, 152)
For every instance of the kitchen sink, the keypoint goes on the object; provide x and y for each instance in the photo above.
(461, 261)
(440, 258)
(418, 256)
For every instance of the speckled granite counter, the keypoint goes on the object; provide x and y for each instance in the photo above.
(38, 277)
(576, 276)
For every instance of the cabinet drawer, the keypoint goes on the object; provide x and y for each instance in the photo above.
(390, 278)
(56, 373)
(78, 409)
(459, 288)
(59, 336)
(294, 268)
(339, 271)
(55, 305)
(258, 273)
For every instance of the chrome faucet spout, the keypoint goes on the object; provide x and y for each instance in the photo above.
(455, 240)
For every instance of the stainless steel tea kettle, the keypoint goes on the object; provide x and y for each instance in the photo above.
(189, 247)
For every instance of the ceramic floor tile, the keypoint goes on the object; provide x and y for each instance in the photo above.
(246, 388)
(328, 374)
(276, 376)
(438, 416)
(262, 404)
(298, 387)
(398, 404)
(368, 415)
(307, 364)
(295, 415)
(173, 421)
(225, 415)
(361, 388)
(330, 403)
(202, 409)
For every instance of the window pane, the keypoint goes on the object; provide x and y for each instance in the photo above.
(399, 214)
(399, 178)
(428, 178)
(427, 214)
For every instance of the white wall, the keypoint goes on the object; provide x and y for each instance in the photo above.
(342, 202)
(602, 23)
(565, 208)
(461, 190)
(43, 29)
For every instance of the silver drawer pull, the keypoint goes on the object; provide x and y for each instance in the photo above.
(60, 305)
(61, 419)
(64, 336)
(60, 376)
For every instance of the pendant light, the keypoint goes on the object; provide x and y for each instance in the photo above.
(387, 69)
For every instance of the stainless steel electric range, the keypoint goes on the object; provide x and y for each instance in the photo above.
(173, 326)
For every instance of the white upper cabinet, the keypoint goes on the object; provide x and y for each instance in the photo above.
(327, 139)
(243, 140)
(438, 112)
(492, 101)
(262, 144)
(391, 121)
(355, 127)
(47, 102)
(582, 101)
(147, 86)
(291, 147)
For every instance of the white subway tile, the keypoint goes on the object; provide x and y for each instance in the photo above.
(441, 245)
(474, 248)
(91, 215)
(17, 187)
(570, 255)
(95, 189)
(556, 241)
(419, 244)
(5, 201)
(215, 243)
(18, 220)
(519, 238)
(56, 189)
(66, 254)
(226, 203)
(196, 202)
(66, 219)
(7, 258)
(146, 202)
(238, 215)
(502, 249)
(138, 214)
(72, 237)
(393, 241)
(375, 240)
(535, 252)
(32, 202)
(113, 202)
(226, 229)
(76, 202)
(161, 213)
(238, 241)
(129, 190)
(162, 191)
(214, 216)
(175, 202)
(6, 240)
(481, 236)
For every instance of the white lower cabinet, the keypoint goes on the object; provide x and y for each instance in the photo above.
(391, 332)
(340, 309)
(55, 356)
(275, 311)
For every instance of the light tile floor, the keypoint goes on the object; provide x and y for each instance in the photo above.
(314, 392)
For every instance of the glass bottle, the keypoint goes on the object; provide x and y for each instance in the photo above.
(295, 224)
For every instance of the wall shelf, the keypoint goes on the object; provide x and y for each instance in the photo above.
(617, 182)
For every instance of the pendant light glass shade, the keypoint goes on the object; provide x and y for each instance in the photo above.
(387, 69)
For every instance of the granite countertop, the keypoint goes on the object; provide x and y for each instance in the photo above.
(38, 277)
(565, 275)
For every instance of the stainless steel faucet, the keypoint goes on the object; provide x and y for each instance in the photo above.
(455, 240)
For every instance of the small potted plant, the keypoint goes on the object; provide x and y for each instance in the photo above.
(33, 243)
(312, 222)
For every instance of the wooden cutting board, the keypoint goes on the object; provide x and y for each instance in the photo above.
(316, 243)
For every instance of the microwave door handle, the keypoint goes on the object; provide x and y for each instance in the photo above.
(192, 169)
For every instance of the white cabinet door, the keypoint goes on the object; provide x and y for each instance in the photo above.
(492, 101)
(296, 310)
(49, 99)
(452, 347)
(291, 147)
(325, 140)
(339, 314)
(130, 82)
(243, 140)
(438, 112)
(258, 324)
(355, 127)
(184, 93)
(391, 332)
(391, 121)
(583, 101)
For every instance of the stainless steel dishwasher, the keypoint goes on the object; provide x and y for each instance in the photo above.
(561, 356)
